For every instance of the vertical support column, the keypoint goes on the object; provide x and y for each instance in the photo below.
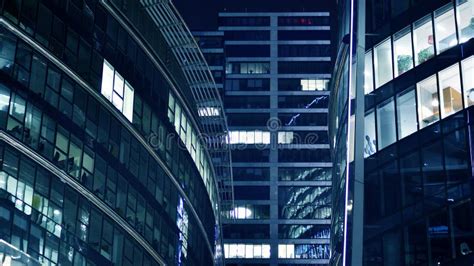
(358, 35)
(273, 94)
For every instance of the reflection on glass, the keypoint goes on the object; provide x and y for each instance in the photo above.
(368, 74)
(467, 66)
(445, 28)
(386, 124)
(423, 40)
(406, 113)
(450, 89)
(383, 63)
(428, 101)
(403, 53)
(370, 144)
(465, 18)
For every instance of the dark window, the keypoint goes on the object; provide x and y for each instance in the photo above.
(304, 35)
(247, 35)
(304, 67)
(247, 50)
(251, 174)
(244, 21)
(251, 193)
(247, 102)
(304, 50)
(311, 101)
(247, 231)
(304, 21)
(304, 174)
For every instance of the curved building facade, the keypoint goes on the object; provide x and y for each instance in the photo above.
(103, 159)
(413, 136)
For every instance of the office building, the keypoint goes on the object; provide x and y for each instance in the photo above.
(102, 112)
(401, 99)
(275, 70)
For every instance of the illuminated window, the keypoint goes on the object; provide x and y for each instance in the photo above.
(445, 28)
(370, 142)
(368, 74)
(383, 63)
(117, 90)
(467, 66)
(428, 101)
(423, 40)
(249, 137)
(465, 16)
(450, 90)
(403, 53)
(247, 251)
(314, 84)
(208, 111)
(285, 137)
(286, 251)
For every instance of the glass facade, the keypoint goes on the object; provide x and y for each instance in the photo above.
(422, 44)
(417, 124)
(440, 93)
(276, 98)
(92, 172)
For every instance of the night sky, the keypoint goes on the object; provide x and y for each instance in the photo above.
(202, 14)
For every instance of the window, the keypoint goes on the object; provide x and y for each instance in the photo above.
(368, 74)
(250, 212)
(465, 17)
(386, 124)
(208, 111)
(406, 113)
(403, 53)
(314, 84)
(423, 40)
(303, 251)
(467, 66)
(370, 145)
(450, 90)
(286, 251)
(428, 102)
(249, 137)
(247, 251)
(247, 68)
(383, 63)
(445, 28)
(117, 90)
(285, 137)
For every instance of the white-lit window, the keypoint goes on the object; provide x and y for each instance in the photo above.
(117, 90)
(249, 137)
(286, 251)
(285, 137)
(406, 113)
(247, 251)
(386, 128)
(107, 80)
(428, 101)
(403, 53)
(450, 90)
(370, 141)
(445, 28)
(423, 40)
(467, 66)
(314, 84)
(383, 63)
(208, 111)
(368, 74)
(266, 137)
(465, 17)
